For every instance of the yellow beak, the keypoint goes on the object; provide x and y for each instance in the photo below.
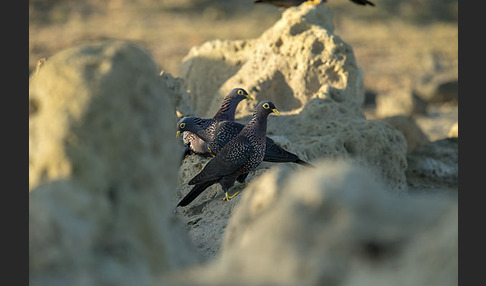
(276, 111)
(249, 97)
(178, 134)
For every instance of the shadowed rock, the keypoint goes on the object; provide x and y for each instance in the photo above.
(100, 182)
(334, 225)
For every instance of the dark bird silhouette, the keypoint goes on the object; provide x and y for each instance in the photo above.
(363, 2)
(235, 160)
(287, 3)
(194, 144)
(290, 3)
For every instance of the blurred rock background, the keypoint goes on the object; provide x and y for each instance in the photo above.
(407, 47)
(103, 173)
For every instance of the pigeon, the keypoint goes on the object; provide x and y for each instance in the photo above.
(236, 159)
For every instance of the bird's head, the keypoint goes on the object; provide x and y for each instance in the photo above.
(266, 107)
(240, 94)
(187, 123)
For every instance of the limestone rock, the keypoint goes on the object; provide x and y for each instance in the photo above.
(413, 134)
(311, 74)
(327, 122)
(207, 216)
(439, 88)
(179, 97)
(298, 58)
(324, 129)
(454, 131)
(312, 136)
(334, 225)
(439, 120)
(400, 102)
(100, 178)
(434, 165)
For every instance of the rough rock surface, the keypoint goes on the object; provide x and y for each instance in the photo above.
(323, 129)
(207, 216)
(334, 225)
(179, 96)
(103, 192)
(328, 121)
(400, 102)
(298, 58)
(439, 88)
(300, 52)
(101, 170)
(434, 166)
(413, 134)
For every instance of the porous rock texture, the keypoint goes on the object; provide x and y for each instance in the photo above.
(102, 170)
(434, 167)
(180, 98)
(414, 136)
(323, 97)
(333, 225)
(322, 108)
(440, 88)
(400, 102)
(297, 58)
(324, 129)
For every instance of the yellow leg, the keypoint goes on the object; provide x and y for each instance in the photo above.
(185, 157)
(209, 149)
(228, 198)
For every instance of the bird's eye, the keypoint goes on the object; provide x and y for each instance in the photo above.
(240, 92)
(182, 125)
(266, 106)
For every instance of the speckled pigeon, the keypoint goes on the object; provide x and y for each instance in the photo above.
(216, 135)
(194, 144)
(235, 160)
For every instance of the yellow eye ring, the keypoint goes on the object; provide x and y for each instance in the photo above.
(266, 106)
(182, 125)
(240, 92)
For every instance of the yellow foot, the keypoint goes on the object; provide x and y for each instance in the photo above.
(228, 198)
(185, 157)
(209, 149)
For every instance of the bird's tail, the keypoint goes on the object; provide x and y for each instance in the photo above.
(370, 3)
(304, 163)
(194, 193)
(363, 2)
(276, 154)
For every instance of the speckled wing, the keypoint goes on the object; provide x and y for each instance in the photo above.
(227, 130)
(230, 159)
(274, 153)
(224, 132)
